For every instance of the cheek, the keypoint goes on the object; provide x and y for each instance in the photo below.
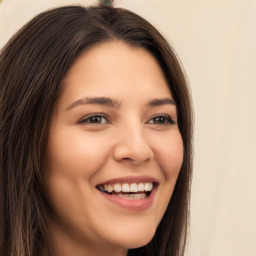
(75, 154)
(73, 160)
(169, 153)
(169, 158)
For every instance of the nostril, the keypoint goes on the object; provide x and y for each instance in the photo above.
(127, 158)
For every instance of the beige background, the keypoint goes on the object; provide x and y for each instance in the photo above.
(216, 41)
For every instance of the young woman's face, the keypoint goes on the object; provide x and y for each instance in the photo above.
(114, 132)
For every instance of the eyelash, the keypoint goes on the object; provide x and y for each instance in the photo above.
(167, 120)
(99, 115)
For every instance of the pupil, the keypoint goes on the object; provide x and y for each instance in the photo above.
(95, 119)
(160, 120)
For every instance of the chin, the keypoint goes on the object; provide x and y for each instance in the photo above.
(137, 239)
(139, 243)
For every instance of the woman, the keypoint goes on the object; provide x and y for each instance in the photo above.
(95, 137)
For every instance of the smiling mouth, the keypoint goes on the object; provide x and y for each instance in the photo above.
(135, 191)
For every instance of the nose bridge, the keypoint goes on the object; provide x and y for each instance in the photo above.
(132, 143)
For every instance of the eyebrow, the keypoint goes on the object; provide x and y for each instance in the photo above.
(96, 100)
(116, 104)
(160, 102)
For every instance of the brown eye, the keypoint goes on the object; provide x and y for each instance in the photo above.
(94, 119)
(161, 119)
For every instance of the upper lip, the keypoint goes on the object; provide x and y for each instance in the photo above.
(131, 179)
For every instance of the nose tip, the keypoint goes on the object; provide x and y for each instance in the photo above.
(134, 149)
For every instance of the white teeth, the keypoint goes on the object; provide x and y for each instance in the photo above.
(117, 188)
(133, 187)
(125, 188)
(148, 186)
(140, 187)
(109, 188)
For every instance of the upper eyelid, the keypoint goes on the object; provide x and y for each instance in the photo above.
(161, 114)
(95, 114)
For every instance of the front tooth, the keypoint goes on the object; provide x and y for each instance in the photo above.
(125, 188)
(140, 187)
(109, 188)
(117, 188)
(148, 186)
(133, 187)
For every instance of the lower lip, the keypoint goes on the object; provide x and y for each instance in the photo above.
(132, 204)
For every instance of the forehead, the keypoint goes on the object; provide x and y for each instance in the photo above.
(116, 69)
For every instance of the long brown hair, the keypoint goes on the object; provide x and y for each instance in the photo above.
(32, 67)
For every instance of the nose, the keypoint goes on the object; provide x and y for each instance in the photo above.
(132, 146)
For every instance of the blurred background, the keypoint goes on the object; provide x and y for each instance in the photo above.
(216, 42)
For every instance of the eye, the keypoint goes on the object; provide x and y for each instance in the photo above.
(94, 119)
(161, 120)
